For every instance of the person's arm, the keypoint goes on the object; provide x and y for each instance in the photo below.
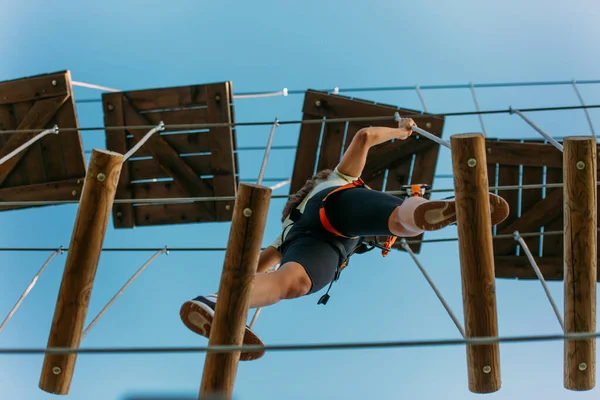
(268, 258)
(355, 157)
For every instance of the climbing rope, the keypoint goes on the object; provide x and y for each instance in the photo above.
(439, 295)
(120, 292)
(30, 287)
(28, 143)
(535, 267)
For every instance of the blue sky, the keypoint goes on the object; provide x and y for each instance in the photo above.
(268, 45)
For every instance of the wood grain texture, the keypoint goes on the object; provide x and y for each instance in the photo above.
(39, 115)
(477, 260)
(221, 149)
(123, 215)
(35, 88)
(170, 161)
(241, 261)
(580, 241)
(80, 269)
(59, 190)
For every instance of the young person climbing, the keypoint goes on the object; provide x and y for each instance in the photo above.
(324, 223)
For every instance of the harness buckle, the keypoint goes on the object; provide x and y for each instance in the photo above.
(420, 189)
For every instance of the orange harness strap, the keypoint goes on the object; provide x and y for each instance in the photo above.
(327, 225)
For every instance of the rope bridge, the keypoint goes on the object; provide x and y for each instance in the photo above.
(251, 202)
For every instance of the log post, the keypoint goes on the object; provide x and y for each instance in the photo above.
(92, 218)
(241, 261)
(580, 267)
(476, 259)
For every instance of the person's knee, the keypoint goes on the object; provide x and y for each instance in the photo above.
(297, 283)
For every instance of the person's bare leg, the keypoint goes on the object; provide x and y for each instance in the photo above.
(288, 282)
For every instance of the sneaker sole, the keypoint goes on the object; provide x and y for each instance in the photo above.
(197, 318)
(437, 214)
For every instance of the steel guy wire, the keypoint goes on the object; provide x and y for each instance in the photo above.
(473, 341)
(308, 121)
(193, 249)
(167, 200)
(286, 92)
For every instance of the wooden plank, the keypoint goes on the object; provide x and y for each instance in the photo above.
(544, 210)
(331, 145)
(123, 216)
(182, 143)
(38, 116)
(515, 153)
(31, 168)
(165, 214)
(221, 149)
(150, 169)
(508, 175)
(170, 161)
(70, 142)
(335, 106)
(167, 98)
(178, 117)
(162, 189)
(6, 122)
(34, 88)
(553, 245)
(306, 153)
(13, 179)
(60, 190)
(511, 267)
(529, 197)
(391, 155)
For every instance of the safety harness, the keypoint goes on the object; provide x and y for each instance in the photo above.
(361, 247)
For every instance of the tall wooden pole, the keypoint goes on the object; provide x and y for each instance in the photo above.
(241, 262)
(580, 240)
(476, 259)
(96, 201)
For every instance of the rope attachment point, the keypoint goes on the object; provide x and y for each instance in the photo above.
(158, 128)
(28, 143)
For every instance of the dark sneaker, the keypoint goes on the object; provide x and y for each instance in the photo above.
(198, 314)
(437, 214)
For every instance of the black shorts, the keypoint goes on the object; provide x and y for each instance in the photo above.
(353, 212)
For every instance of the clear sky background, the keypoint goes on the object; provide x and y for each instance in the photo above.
(268, 45)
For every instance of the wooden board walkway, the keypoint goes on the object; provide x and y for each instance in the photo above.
(177, 162)
(514, 162)
(52, 168)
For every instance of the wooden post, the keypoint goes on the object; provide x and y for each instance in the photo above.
(580, 241)
(93, 214)
(476, 259)
(241, 262)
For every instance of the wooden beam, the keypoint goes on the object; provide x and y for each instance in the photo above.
(241, 261)
(60, 190)
(169, 160)
(519, 267)
(477, 259)
(544, 211)
(580, 239)
(35, 88)
(221, 149)
(99, 190)
(516, 153)
(116, 140)
(393, 154)
(37, 118)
